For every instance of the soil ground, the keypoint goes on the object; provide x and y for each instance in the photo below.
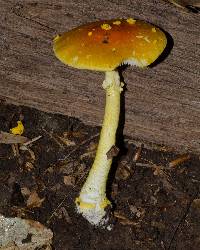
(155, 192)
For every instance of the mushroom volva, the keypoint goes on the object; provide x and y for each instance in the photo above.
(103, 46)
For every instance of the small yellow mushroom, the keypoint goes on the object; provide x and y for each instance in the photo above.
(18, 130)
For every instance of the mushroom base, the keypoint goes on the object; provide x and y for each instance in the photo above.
(95, 213)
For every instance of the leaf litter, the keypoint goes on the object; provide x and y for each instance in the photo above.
(155, 191)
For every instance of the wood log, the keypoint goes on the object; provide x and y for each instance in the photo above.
(161, 103)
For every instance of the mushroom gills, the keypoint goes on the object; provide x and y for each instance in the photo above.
(135, 62)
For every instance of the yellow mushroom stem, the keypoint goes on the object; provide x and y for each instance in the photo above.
(92, 201)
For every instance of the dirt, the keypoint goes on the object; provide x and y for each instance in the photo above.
(155, 193)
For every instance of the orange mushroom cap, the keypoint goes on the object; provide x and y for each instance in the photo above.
(104, 45)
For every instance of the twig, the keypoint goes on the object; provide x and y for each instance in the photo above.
(179, 161)
(32, 140)
(182, 220)
(81, 144)
(138, 153)
(64, 199)
(52, 137)
(56, 209)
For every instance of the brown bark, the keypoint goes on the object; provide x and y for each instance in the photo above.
(162, 103)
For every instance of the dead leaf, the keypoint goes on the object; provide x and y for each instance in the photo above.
(196, 203)
(91, 151)
(34, 200)
(29, 166)
(153, 200)
(124, 220)
(158, 171)
(68, 167)
(69, 180)
(66, 141)
(163, 177)
(122, 173)
(56, 187)
(8, 138)
(159, 225)
(25, 148)
(138, 212)
(50, 170)
(92, 146)
(81, 171)
(63, 214)
(75, 134)
(113, 151)
(88, 155)
(50, 134)
(25, 191)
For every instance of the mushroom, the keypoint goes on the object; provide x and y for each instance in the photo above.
(103, 46)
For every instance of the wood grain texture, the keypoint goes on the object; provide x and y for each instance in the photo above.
(162, 104)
